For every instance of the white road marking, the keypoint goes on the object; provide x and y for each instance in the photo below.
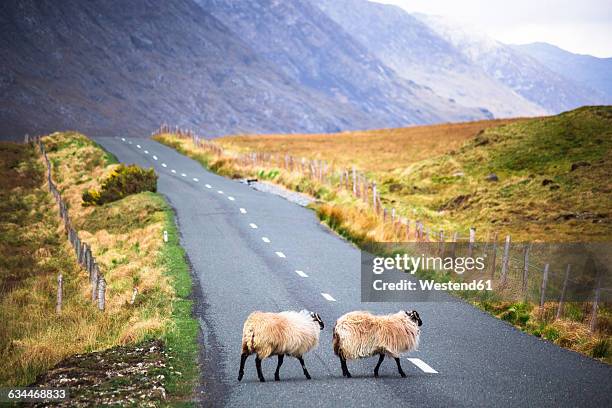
(422, 365)
(123, 138)
(130, 142)
(280, 254)
(302, 274)
(138, 146)
(220, 192)
(265, 239)
(329, 297)
(146, 152)
(208, 186)
(243, 211)
(154, 157)
(174, 171)
(164, 165)
(254, 226)
(231, 198)
(195, 179)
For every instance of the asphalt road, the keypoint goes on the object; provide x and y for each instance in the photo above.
(471, 359)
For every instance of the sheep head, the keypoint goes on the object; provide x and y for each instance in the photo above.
(317, 318)
(414, 316)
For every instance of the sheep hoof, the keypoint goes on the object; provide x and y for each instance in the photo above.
(276, 378)
(403, 375)
(375, 374)
(262, 380)
(240, 377)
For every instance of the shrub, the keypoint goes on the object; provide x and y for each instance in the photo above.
(123, 181)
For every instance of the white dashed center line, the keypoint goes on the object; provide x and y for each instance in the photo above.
(174, 171)
(254, 226)
(195, 179)
(243, 211)
(231, 198)
(130, 142)
(220, 192)
(183, 174)
(208, 186)
(265, 239)
(164, 165)
(302, 274)
(422, 365)
(138, 146)
(280, 254)
(146, 152)
(123, 138)
(154, 157)
(329, 297)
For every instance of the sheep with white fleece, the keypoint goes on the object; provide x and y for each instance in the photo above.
(362, 334)
(267, 334)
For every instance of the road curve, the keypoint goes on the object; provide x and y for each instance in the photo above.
(466, 358)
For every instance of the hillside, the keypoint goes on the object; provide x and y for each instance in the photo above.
(108, 68)
(416, 52)
(591, 71)
(519, 71)
(553, 172)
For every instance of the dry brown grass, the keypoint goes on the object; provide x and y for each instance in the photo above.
(382, 150)
(124, 237)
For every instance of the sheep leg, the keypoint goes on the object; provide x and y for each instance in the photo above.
(345, 371)
(380, 360)
(243, 358)
(399, 367)
(278, 366)
(258, 365)
(304, 367)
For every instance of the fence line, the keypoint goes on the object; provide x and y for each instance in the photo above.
(82, 250)
(357, 184)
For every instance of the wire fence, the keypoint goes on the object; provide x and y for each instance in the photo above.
(83, 251)
(516, 268)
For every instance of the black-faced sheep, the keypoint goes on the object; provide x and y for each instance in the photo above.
(268, 334)
(362, 334)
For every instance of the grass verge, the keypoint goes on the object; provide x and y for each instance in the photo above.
(126, 239)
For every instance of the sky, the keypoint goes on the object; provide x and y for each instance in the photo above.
(579, 26)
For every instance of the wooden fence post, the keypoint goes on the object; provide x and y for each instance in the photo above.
(354, 181)
(543, 287)
(525, 269)
(472, 240)
(505, 260)
(101, 293)
(60, 289)
(494, 258)
(562, 298)
(165, 236)
(593, 325)
(374, 196)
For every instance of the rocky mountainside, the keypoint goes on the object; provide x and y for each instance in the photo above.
(416, 52)
(111, 67)
(590, 71)
(517, 70)
(313, 50)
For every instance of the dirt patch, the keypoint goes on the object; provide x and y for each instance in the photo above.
(133, 375)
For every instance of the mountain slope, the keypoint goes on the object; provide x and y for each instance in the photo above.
(110, 67)
(417, 53)
(525, 75)
(593, 72)
(307, 46)
(107, 67)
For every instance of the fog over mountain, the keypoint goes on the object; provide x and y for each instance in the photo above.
(590, 71)
(109, 67)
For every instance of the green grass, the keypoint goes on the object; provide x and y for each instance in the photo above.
(182, 337)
